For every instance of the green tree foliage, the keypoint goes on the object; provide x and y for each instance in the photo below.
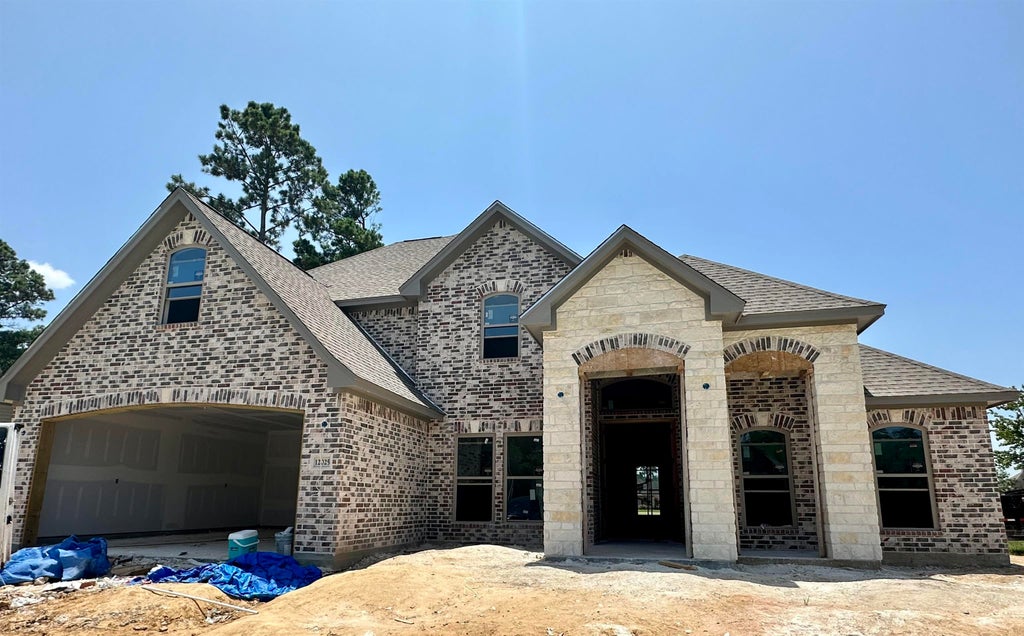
(279, 172)
(22, 290)
(1008, 424)
(341, 224)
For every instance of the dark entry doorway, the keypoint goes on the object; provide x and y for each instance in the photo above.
(640, 488)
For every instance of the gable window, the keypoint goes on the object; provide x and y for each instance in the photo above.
(501, 326)
(524, 477)
(901, 469)
(767, 486)
(184, 285)
(474, 481)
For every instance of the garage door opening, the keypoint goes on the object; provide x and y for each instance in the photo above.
(165, 470)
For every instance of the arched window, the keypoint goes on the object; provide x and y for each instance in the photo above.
(904, 478)
(767, 486)
(184, 285)
(501, 326)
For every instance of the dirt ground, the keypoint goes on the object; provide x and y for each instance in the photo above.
(493, 590)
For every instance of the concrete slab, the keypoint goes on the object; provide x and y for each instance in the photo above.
(208, 547)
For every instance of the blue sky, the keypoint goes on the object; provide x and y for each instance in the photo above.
(873, 149)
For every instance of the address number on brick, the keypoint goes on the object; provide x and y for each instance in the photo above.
(321, 462)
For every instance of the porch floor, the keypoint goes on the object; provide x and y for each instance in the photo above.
(638, 550)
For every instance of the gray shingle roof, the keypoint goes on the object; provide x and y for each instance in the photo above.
(379, 272)
(887, 375)
(312, 305)
(766, 294)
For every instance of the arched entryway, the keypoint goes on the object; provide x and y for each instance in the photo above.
(634, 461)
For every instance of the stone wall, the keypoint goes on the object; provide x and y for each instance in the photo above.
(845, 464)
(779, 403)
(630, 296)
(964, 487)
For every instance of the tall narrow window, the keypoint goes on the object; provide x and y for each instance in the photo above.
(474, 487)
(524, 477)
(184, 285)
(901, 468)
(767, 499)
(501, 326)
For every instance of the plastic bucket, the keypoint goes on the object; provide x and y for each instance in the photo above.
(283, 540)
(242, 541)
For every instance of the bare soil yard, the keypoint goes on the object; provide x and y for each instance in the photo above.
(493, 590)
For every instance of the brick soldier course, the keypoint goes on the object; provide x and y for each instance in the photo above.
(382, 357)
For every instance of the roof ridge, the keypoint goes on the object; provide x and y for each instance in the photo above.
(925, 365)
(349, 258)
(783, 281)
(250, 237)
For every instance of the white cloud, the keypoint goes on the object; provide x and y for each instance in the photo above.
(55, 278)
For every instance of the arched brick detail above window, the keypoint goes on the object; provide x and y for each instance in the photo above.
(509, 286)
(775, 419)
(899, 417)
(175, 397)
(631, 341)
(771, 343)
(187, 237)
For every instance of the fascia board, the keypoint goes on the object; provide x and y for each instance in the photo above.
(989, 399)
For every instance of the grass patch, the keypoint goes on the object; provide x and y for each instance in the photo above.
(1017, 548)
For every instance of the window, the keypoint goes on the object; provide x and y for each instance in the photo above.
(648, 491)
(474, 487)
(501, 326)
(901, 468)
(524, 474)
(767, 500)
(184, 285)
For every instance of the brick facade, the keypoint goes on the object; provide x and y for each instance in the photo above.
(241, 351)
(777, 403)
(963, 486)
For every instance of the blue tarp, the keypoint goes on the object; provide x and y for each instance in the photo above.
(66, 561)
(254, 575)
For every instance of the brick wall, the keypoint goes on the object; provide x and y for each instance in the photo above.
(964, 478)
(241, 351)
(779, 403)
(394, 328)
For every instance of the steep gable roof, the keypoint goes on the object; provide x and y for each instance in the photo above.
(720, 302)
(894, 381)
(354, 361)
(416, 285)
(378, 274)
(774, 301)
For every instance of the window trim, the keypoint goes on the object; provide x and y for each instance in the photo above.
(484, 326)
(789, 477)
(925, 442)
(167, 287)
(471, 480)
(508, 477)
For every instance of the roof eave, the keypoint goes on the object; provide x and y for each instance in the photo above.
(374, 302)
(375, 393)
(415, 287)
(864, 317)
(989, 399)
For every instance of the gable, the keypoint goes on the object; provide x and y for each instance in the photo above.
(353, 361)
(496, 213)
(719, 303)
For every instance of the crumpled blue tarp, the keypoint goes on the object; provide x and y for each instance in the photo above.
(68, 560)
(253, 575)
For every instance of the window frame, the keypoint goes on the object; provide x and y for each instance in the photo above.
(926, 446)
(168, 286)
(480, 481)
(508, 477)
(789, 476)
(484, 326)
